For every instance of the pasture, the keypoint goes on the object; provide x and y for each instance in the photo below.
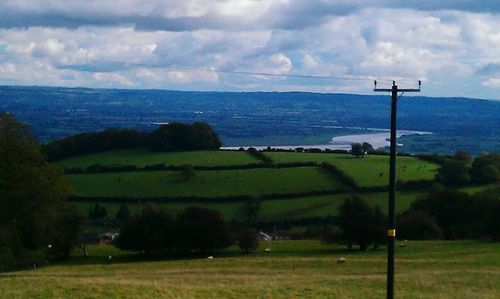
(211, 183)
(293, 269)
(143, 157)
(368, 171)
(273, 209)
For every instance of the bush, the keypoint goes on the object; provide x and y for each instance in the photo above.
(419, 225)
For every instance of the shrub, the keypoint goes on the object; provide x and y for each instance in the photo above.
(418, 225)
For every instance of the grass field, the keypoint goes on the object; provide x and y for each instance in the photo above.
(205, 183)
(294, 269)
(142, 157)
(276, 209)
(368, 171)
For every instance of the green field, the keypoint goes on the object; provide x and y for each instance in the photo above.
(143, 157)
(368, 171)
(205, 183)
(293, 269)
(274, 209)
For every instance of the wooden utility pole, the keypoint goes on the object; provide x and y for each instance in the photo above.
(391, 230)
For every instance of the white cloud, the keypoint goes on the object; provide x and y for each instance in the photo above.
(175, 44)
(493, 82)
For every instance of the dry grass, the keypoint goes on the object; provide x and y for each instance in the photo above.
(294, 269)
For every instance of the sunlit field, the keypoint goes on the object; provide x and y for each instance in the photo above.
(430, 269)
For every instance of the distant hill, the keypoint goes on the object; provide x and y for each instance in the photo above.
(258, 118)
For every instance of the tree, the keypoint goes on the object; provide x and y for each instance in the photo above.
(462, 156)
(98, 212)
(67, 232)
(32, 191)
(360, 224)
(152, 230)
(247, 236)
(486, 168)
(202, 229)
(184, 137)
(457, 214)
(123, 214)
(248, 240)
(419, 225)
(367, 147)
(454, 173)
(378, 234)
(357, 150)
(86, 143)
(454, 211)
(188, 172)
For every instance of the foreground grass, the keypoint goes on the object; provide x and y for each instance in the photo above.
(204, 183)
(293, 269)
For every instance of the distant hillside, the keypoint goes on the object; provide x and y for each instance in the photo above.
(258, 118)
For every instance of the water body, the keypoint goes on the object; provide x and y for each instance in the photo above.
(380, 139)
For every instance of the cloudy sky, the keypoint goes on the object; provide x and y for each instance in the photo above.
(452, 45)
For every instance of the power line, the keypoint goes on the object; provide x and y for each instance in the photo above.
(252, 73)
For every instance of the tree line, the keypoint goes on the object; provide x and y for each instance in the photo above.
(167, 137)
(461, 169)
(195, 230)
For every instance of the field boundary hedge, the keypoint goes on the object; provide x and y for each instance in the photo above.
(339, 174)
(201, 199)
(99, 168)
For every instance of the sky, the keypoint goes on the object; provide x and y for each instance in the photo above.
(453, 46)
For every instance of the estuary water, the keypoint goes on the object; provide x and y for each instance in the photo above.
(378, 139)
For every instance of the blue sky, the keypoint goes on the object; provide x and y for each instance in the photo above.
(453, 46)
